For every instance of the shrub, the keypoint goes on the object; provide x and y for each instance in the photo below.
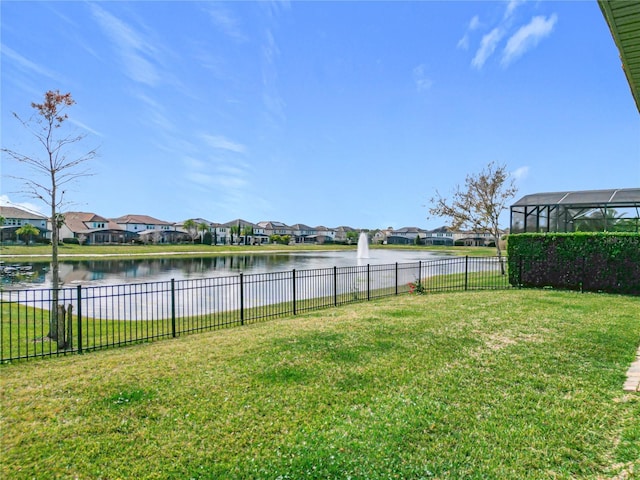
(591, 261)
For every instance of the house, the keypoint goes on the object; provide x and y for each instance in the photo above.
(275, 228)
(324, 234)
(475, 239)
(439, 236)
(13, 218)
(198, 232)
(406, 236)
(341, 233)
(303, 233)
(164, 235)
(90, 228)
(239, 231)
(141, 223)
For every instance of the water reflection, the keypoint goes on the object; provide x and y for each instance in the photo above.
(113, 272)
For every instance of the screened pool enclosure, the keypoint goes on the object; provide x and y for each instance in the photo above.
(581, 211)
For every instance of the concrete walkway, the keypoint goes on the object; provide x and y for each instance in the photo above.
(633, 375)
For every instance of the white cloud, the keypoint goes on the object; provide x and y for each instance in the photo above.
(527, 37)
(520, 173)
(136, 52)
(85, 127)
(474, 24)
(273, 102)
(422, 81)
(222, 143)
(226, 22)
(511, 7)
(487, 47)
(26, 64)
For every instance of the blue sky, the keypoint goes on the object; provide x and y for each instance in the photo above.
(323, 113)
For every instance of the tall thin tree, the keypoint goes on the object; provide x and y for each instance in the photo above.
(479, 204)
(57, 166)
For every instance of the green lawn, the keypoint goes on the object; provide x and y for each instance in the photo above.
(505, 384)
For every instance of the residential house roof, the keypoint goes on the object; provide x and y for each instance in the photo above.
(78, 222)
(302, 227)
(14, 212)
(623, 18)
(238, 221)
(140, 219)
(409, 230)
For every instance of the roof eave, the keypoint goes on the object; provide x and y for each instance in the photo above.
(634, 83)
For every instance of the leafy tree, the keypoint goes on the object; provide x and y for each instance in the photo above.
(28, 231)
(601, 220)
(478, 205)
(275, 238)
(234, 230)
(56, 167)
(203, 228)
(192, 229)
(352, 237)
(247, 231)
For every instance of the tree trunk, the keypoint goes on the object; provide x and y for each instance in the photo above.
(55, 281)
(499, 253)
(60, 334)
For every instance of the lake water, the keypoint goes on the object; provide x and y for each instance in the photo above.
(123, 271)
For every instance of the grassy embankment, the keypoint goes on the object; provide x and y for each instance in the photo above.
(514, 384)
(14, 253)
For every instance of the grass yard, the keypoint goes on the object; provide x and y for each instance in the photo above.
(504, 384)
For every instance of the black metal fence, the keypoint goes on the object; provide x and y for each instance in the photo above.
(34, 323)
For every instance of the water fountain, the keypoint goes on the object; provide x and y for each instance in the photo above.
(363, 246)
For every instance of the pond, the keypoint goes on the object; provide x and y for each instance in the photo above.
(114, 272)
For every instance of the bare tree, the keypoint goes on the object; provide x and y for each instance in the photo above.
(478, 206)
(52, 170)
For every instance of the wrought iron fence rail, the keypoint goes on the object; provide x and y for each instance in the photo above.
(98, 317)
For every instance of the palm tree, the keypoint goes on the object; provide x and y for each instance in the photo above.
(28, 230)
(203, 228)
(602, 220)
(234, 229)
(247, 230)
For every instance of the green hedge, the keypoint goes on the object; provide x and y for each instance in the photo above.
(608, 262)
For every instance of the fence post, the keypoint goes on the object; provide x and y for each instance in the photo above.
(419, 271)
(173, 308)
(368, 282)
(335, 286)
(241, 299)
(466, 272)
(396, 281)
(294, 291)
(79, 316)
